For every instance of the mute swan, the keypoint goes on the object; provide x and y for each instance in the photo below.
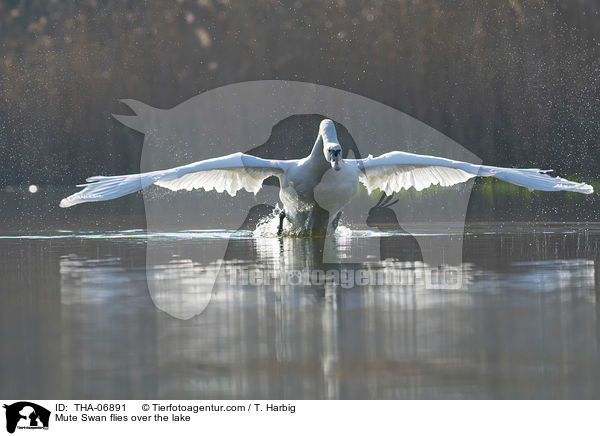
(314, 189)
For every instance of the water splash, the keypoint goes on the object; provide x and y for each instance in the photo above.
(268, 227)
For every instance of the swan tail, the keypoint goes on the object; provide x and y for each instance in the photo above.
(101, 188)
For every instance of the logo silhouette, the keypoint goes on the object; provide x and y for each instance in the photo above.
(281, 125)
(402, 247)
(27, 415)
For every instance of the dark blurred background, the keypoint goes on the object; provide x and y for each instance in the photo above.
(515, 82)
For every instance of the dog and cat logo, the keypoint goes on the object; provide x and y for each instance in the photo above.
(26, 415)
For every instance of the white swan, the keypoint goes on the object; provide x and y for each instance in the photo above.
(314, 189)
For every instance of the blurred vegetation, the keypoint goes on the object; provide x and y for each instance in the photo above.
(514, 81)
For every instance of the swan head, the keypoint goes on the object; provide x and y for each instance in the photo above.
(331, 146)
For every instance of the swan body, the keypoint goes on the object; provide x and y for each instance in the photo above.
(314, 189)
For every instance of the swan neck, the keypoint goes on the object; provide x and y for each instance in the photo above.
(327, 136)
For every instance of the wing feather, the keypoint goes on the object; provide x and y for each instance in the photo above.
(229, 181)
(392, 172)
(223, 174)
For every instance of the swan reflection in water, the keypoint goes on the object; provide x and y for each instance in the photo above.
(295, 335)
(322, 340)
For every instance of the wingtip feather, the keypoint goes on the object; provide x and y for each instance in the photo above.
(65, 202)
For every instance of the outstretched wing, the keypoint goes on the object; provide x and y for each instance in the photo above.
(227, 173)
(394, 171)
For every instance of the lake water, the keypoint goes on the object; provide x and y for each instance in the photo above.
(78, 320)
